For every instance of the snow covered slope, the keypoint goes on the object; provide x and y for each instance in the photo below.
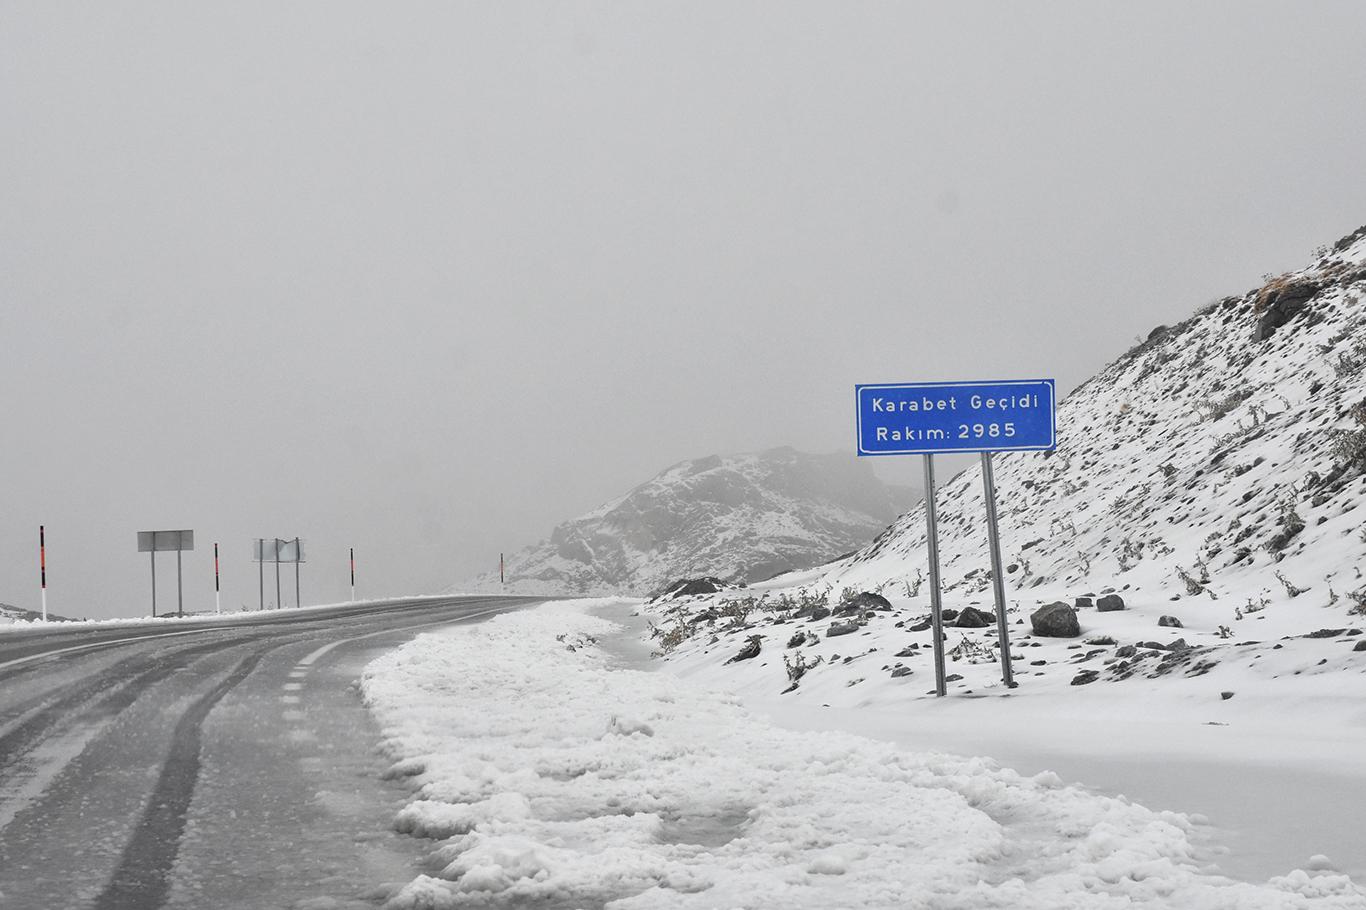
(1213, 477)
(1207, 463)
(1215, 474)
(11, 615)
(739, 517)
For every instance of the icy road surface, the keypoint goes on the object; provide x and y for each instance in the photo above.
(191, 764)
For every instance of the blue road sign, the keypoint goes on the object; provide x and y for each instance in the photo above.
(915, 418)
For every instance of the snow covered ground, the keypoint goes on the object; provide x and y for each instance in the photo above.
(544, 769)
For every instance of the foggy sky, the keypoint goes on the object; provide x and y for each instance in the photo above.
(427, 279)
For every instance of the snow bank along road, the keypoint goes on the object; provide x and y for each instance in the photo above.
(202, 764)
(545, 774)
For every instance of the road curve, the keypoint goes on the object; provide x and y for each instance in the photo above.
(203, 764)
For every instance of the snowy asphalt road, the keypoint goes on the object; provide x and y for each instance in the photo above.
(215, 764)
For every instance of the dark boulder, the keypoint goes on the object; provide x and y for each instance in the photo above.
(1055, 620)
(973, 618)
(900, 672)
(920, 626)
(867, 600)
(1279, 302)
(1360, 646)
(1082, 603)
(948, 615)
(819, 612)
(1110, 603)
(1171, 622)
(842, 628)
(1085, 676)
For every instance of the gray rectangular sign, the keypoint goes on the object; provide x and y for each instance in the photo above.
(149, 541)
(272, 549)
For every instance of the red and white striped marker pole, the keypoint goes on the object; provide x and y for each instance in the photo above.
(42, 565)
(217, 593)
(353, 574)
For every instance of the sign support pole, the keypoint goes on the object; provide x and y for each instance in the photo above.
(353, 574)
(298, 552)
(154, 578)
(936, 604)
(261, 571)
(501, 579)
(179, 586)
(998, 581)
(278, 598)
(42, 564)
(217, 593)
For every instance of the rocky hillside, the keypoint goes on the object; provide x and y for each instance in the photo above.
(1212, 479)
(740, 518)
(1223, 456)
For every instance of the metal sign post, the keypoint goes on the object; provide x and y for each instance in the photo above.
(501, 577)
(42, 565)
(217, 592)
(998, 581)
(353, 574)
(151, 542)
(936, 603)
(925, 418)
(278, 550)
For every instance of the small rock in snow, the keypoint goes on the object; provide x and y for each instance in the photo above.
(750, 650)
(1170, 622)
(841, 628)
(1110, 603)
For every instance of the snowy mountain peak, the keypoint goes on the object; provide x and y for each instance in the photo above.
(738, 517)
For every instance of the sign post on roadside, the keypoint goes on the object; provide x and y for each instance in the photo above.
(929, 418)
(278, 550)
(151, 542)
(42, 565)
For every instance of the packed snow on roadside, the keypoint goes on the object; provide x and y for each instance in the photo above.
(544, 772)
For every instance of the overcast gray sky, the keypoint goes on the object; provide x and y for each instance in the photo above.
(426, 279)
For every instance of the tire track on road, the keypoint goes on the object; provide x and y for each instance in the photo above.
(142, 879)
(121, 684)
